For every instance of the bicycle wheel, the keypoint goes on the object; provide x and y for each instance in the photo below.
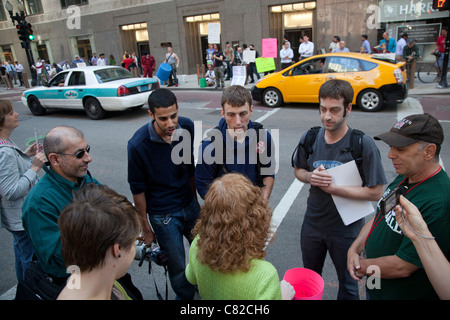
(428, 73)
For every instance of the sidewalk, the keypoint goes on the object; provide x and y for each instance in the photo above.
(190, 82)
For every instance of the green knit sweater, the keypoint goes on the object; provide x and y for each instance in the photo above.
(259, 283)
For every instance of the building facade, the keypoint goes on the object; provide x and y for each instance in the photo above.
(65, 28)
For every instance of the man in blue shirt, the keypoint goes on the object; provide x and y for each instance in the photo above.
(391, 44)
(235, 147)
(365, 44)
(163, 186)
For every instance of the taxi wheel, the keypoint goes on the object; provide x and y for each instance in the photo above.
(94, 109)
(272, 98)
(35, 106)
(370, 100)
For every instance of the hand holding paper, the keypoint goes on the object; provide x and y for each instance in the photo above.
(350, 210)
(321, 178)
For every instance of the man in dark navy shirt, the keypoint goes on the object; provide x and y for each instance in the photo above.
(237, 145)
(163, 186)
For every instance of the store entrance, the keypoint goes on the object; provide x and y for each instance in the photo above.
(294, 35)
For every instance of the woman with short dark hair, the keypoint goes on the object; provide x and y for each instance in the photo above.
(98, 231)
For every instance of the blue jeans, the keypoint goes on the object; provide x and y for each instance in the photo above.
(169, 230)
(314, 245)
(23, 252)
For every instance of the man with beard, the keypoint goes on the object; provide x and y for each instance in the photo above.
(163, 187)
(323, 229)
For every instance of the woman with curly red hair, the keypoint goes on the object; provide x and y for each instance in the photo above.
(226, 259)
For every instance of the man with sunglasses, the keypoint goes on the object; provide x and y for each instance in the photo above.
(68, 154)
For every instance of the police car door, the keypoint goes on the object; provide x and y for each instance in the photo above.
(53, 95)
(74, 91)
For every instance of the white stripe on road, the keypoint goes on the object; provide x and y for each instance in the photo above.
(285, 204)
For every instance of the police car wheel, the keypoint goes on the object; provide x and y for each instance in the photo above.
(94, 109)
(35, 106)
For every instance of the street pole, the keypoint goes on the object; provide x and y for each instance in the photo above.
(30, 59)
(443, 83)
(26, 43)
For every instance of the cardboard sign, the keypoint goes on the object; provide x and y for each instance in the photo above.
(239, 75)
(214, 33)
(265, 64)
(249, 56)
(270, 48)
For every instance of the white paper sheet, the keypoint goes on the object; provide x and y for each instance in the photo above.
(214, 33)
(239, 76)
(350, 210)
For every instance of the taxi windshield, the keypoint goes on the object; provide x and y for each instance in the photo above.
(112, 74)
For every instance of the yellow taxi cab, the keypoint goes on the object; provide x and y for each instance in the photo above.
(375, 80)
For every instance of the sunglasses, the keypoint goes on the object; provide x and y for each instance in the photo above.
(79, 155)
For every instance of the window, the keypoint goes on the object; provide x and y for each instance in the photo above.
(310, 67)
(68, 3)
(342, 64)
(58, 81)
(33, 7)
(2, 11)
(77, 79)
(112, 74)
(367, 65)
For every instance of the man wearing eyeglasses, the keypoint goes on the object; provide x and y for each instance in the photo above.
(68, 154)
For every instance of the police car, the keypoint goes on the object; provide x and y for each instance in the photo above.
(96, 90)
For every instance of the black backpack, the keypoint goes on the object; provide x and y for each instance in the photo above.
(355, 148)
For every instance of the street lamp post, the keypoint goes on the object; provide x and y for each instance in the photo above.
(20, 19)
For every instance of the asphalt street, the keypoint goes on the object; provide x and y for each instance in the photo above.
(108, 140)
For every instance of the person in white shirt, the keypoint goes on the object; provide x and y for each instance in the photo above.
(19, 70)
(401, 43)
(210, 76)
(334, 44)
(341, 48)
(102, 60)
(306, 49)
(286, 55)
(38, 66)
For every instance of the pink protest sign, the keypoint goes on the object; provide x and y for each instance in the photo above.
(269, 48)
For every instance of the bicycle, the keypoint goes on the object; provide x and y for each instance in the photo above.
(429, 73)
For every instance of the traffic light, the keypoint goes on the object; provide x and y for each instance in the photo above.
(22, 31)
(31, 36)
(441, 5)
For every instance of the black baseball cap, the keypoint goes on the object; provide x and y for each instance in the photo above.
(416, 127)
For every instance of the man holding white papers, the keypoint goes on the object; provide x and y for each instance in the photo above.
(323, 229)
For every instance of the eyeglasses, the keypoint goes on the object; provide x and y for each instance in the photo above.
(79, 155)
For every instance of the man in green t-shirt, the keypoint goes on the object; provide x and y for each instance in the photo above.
(392, 263)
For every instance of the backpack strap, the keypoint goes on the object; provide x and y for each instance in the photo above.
(307, 145)
(356, 150)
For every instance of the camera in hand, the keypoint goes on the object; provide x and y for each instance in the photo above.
(155, 254)
(391, 200)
